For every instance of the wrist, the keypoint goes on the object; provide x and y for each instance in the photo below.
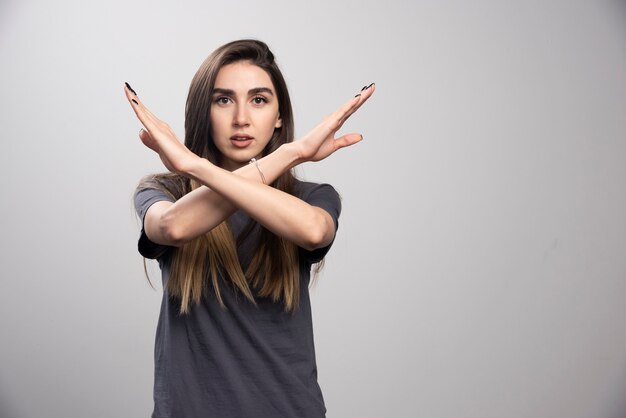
(195, 167)
(291, 153)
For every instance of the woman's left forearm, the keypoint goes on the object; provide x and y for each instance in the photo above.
(285, 215)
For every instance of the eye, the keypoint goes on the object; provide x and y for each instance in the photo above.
(222, 100)
(258, 100)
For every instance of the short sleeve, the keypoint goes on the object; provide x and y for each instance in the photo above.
(144, 198)
(326, 197)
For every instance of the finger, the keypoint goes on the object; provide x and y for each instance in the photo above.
(147, 119)
(348, 109)
(338, 116)
(136, 105)
(365, 93)
(363, 96)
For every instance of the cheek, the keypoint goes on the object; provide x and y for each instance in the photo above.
(217, 122)
(269, 120)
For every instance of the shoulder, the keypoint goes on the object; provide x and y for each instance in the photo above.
(306, 189)
(322, 195)
(157, 187)
(147, 193)
(146, 196)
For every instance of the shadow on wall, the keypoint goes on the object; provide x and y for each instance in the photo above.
(618, 405)
(620, 9)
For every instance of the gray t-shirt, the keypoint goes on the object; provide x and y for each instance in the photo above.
(243, 361)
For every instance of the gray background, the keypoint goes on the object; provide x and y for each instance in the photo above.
(480, 266)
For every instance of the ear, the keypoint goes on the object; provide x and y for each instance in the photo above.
(279, 123)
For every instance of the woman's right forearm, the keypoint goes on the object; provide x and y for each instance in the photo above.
(203, 209)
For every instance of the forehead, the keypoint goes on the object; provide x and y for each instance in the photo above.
(242, 76)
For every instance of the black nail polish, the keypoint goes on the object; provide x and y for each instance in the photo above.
(131, 89)
(358, 95)
(364, 87)
(134, 101)
(369, 86)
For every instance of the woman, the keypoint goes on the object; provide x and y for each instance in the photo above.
(236, 235)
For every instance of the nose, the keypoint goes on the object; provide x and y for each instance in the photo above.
(240, 118)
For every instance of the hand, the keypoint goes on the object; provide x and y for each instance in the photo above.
(320, 142)
(159, 137)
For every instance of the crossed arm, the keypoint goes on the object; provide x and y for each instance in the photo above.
(223, 192)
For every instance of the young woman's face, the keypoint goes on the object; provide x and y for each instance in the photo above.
(244, 113)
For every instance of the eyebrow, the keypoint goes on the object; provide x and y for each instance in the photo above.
(251, 92)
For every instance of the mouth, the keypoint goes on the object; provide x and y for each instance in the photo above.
(241, 137)
(241, 140)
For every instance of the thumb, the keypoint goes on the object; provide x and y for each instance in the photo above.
(147, 139)
(347, 140)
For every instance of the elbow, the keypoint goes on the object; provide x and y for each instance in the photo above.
(318, 234)
(172, 233)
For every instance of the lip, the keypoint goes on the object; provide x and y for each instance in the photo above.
(241, 137)
(241, 140)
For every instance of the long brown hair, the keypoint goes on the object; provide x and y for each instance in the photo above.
(274, 268)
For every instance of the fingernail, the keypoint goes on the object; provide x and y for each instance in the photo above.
(358, 95)
(364, 87)
(134, 101)
(369, 86)
(131, 89)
